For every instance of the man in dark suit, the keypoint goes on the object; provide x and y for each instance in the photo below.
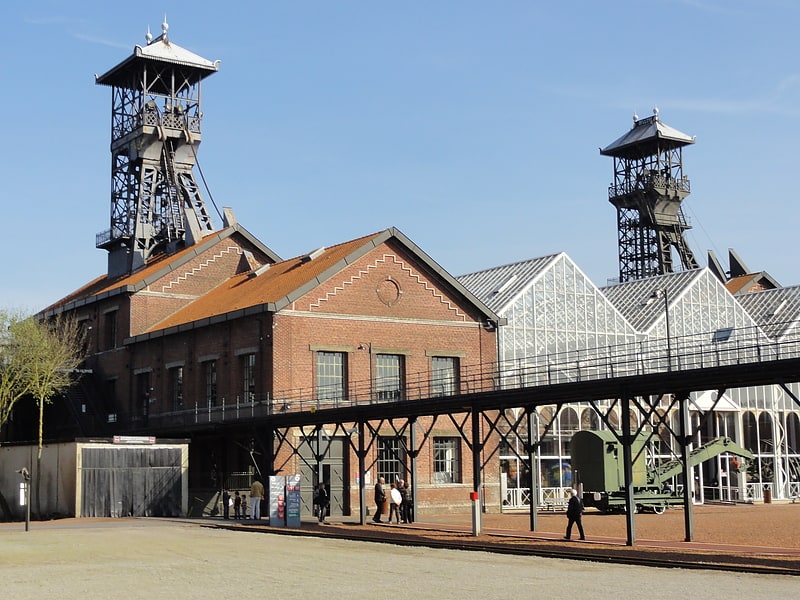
(574, 512)
(380, 498)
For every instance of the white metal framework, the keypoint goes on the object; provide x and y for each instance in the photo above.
(563, 328)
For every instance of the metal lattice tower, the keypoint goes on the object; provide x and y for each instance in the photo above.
(649, 186)
(156, 204)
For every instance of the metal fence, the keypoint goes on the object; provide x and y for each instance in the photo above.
(722, 347)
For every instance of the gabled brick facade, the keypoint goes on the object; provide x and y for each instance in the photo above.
(243, 333)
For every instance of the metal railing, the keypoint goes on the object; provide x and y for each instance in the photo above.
(744, 346)
(550, 498)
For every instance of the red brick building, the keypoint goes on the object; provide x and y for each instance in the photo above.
(206, 342)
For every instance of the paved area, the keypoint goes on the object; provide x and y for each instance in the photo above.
(169, 558)
(755, 538)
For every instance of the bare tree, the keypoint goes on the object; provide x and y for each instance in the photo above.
(40, 358)
(13, 384)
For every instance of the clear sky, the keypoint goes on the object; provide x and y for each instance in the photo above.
(472, 126)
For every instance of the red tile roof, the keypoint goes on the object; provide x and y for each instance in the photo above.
(277, 285)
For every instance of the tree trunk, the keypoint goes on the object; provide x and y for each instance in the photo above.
(39, 462)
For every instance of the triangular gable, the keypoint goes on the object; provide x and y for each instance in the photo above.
(160, 266)
(696, 302)
(776, 311)
(499, 286)
(550, 306)
(642, 301)
(279, 285)
(704, 401)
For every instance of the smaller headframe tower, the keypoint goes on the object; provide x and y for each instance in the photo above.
(156, 204)
(649, 186)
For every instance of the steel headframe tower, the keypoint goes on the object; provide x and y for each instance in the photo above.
(156, 204)
(649, 186)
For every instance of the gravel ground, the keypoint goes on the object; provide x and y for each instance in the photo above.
(153, 558)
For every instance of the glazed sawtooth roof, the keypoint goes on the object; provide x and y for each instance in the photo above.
(640, 302)
(776, 311)
(499, 286)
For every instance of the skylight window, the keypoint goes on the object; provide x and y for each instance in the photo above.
(505, 285)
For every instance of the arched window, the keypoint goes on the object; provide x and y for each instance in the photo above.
(568, 425)
(793, 433)
(589, 419)
(750, 431)
(765, 433)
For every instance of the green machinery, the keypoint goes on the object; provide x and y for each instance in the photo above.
(598, 465)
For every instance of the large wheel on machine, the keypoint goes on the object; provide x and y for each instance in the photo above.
(625, 508)
(659, 508)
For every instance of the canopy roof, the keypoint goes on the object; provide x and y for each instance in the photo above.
(158, 51)
(645, 138)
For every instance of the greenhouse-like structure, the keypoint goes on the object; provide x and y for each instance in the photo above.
(556, 316)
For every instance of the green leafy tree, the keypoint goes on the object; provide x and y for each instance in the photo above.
(39, 360)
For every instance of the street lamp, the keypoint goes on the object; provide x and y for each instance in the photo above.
(661, 293)
(24, 495)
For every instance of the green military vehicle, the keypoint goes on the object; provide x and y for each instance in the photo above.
(598, 466)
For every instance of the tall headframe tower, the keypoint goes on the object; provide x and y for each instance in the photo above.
(156, 204)
(649, 186)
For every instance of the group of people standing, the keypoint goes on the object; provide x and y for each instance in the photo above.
(238, 502)
(401, 501)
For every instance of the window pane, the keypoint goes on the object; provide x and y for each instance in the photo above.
(446, 460)
(210, 382)
(248, 377)
(389, 377)
(176, 387)
(391, 459)
(331, 376)
(444, 376)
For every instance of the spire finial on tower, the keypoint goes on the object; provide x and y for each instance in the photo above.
(148, 36)
(164, 28)
(655, 112)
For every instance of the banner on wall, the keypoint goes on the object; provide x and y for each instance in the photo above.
(277, 501)
(293, 500)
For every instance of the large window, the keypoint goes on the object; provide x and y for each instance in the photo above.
(389, 373)
(110, 328)
(248, 363)
(141, 403)
(444, 376)
(446, 460)
(391, 459)
(210, 382)
(331, 376)
(176, 388)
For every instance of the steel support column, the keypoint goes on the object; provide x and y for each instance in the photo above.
(534, 468)
(412, 441)
(477, 448)
(362, 468)
(685, 440)
(627, 440)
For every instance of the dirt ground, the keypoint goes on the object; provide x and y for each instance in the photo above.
(776, 524)
(160, 558)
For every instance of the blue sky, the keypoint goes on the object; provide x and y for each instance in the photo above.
(473, 127)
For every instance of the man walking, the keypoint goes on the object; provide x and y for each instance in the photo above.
(574, 512)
